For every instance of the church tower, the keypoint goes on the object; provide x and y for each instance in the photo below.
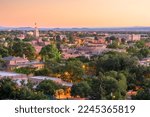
(36, 32)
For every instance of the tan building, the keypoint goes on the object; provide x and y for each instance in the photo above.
(134, 37)
(36, 32)
(18, 62)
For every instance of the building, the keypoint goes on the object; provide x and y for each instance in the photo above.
(66, 93)
(145, 62)
(14, 76)
(36, 32)
(18, 62)
(38, 79)
(134, 37)
(38, 43)
(63, 37)
(30, 33)
(21, 36)
(128, 37)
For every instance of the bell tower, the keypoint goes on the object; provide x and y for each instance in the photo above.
(36, 31)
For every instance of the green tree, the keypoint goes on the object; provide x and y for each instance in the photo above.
(97, 88)
(143, 53)
(81, 89)
(25, 93)
(73, 71)
(48, 87)
(106, 87)
(3, 52)
(21, 48)
(50, 52)
(55, 67)
(7, 88)
(28, 38)
(140, 44)
(115, 61)
(25, 70)
(110, 87)
(122, 82)
(43, 72)
(71, 38)
(144, 92)
(115, 44)
(10, 90)
(132, 50)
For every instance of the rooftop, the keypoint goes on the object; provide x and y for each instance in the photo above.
(3, 74)
(9, 58)
(45, 78)
(58, 80)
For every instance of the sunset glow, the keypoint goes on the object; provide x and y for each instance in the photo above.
(75, 13)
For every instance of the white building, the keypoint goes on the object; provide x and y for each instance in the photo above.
(14, 76)
(145, 62)
(38, 79)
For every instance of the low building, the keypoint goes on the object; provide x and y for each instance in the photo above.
(12, 60)
(18, 62)
(134, 37)
(21, 36)
(128, 37)
(145, 61)
(63, 37)
(14, 76)
(38, 79)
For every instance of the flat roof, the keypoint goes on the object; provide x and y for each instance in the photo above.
(45, 77)
(53, 79)
(4, 73)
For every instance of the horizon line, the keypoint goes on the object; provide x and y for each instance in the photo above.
(72, 27)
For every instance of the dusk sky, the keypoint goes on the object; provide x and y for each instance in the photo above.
(75, 13)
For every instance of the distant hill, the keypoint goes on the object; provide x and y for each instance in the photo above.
(3, 28)
(144, 29)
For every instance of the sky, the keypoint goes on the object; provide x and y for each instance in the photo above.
(75, 13)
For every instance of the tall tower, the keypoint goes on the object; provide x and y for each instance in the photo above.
(36, 32)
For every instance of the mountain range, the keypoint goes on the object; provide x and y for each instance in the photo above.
(144, 29)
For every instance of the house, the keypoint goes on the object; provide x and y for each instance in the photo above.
(12, 62)
(21, 36)
(145, 62)
(18, 62)
(63, 37)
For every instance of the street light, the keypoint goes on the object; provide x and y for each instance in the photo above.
(83, 66)
(66, 73)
